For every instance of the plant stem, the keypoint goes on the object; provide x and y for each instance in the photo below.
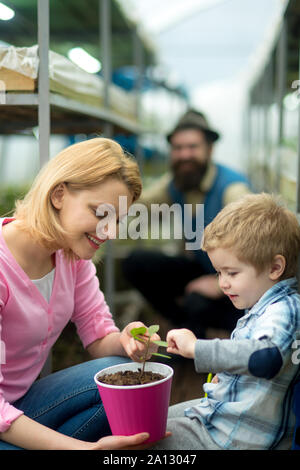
(145, 357)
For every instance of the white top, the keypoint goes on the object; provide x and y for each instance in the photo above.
(45, 284)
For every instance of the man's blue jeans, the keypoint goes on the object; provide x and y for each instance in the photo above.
(68, 401)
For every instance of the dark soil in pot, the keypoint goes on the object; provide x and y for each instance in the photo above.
(130, 377)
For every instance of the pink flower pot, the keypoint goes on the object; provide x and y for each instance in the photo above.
(137, 408)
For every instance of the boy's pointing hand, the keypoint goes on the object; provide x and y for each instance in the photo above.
(181, 342)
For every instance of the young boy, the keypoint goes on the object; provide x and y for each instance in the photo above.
(254, 245)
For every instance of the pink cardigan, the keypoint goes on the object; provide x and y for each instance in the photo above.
(29, 326)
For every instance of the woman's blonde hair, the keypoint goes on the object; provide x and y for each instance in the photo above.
(81, 166)
(256, 228)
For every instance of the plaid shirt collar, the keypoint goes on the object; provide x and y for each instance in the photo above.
(274, 294)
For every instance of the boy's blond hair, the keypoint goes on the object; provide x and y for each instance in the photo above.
(257, 227)
(81, 166)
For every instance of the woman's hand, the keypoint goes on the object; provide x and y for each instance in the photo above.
(135, 442)
(136, 350)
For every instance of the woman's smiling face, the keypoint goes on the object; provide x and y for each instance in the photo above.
(77, 211)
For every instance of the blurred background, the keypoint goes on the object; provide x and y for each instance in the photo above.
(128, 69)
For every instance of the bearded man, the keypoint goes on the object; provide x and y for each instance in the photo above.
(184, 288)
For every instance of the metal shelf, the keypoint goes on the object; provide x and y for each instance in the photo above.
(54, 113)
(67, 115)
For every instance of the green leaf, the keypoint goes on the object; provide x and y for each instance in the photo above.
(138, 331)
(160, 343)
(153, 329)
(161, 355)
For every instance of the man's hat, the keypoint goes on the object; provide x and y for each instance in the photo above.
(194, 120)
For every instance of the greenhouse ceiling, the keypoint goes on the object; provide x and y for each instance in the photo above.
(74, 23)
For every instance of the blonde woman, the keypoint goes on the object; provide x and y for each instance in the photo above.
(47, 278)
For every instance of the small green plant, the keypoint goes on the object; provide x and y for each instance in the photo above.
(143, 335)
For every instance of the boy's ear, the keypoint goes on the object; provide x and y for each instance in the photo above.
(57, 195)
(277, 267)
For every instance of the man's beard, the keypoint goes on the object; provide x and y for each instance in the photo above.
(188, 174)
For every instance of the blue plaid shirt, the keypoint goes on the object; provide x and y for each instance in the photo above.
(251, 405)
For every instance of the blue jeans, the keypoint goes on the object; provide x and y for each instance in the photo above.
(68, 401)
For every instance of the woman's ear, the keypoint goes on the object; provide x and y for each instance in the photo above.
(57, 195)
(277, 267)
